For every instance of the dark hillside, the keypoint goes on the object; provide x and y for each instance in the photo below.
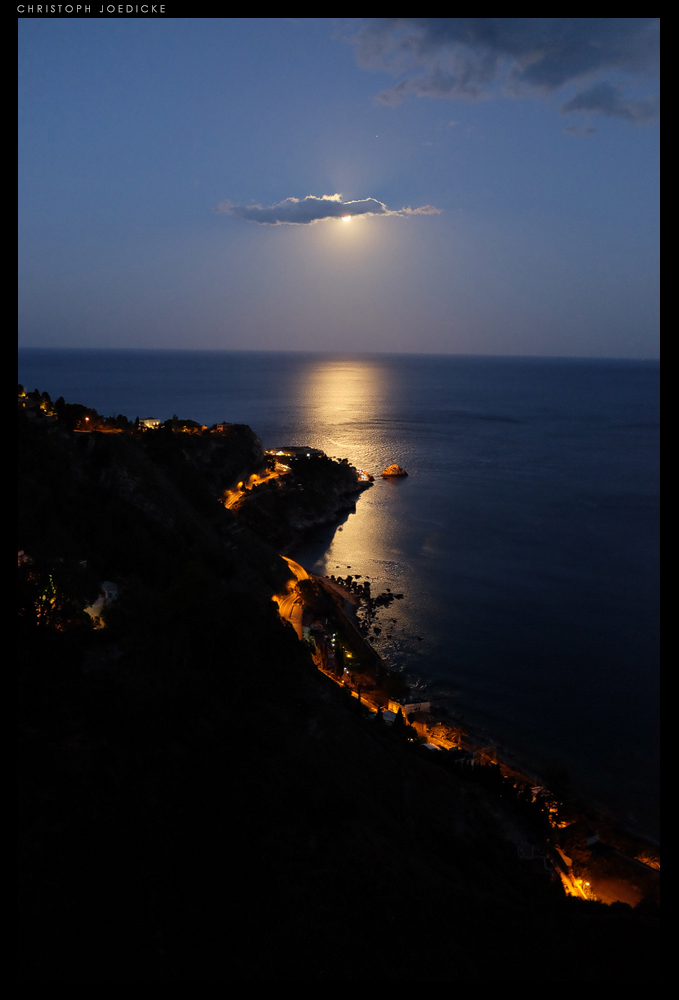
(131, 506)
(221, 460)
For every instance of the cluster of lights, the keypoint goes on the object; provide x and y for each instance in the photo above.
(285, 453)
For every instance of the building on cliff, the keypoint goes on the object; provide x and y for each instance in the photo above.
(296, 451)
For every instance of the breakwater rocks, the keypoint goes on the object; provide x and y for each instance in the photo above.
(363, 590)
(372, 603)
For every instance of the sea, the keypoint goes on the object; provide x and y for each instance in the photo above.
(524, 539)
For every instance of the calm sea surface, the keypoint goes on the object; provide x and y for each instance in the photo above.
(524, 540)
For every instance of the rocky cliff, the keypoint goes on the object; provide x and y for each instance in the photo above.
(315, 492)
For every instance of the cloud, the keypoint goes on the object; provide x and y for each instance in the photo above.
(422, 210)
(603, 98)
(304, 211)
(467, 57)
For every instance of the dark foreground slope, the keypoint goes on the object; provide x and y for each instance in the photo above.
(199, 804)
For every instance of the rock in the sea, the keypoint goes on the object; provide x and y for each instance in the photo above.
(392, 471)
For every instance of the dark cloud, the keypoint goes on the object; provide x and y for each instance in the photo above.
(460, 57)
(302, 212)
(605, 99)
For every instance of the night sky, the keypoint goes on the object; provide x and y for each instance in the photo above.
(184, 183)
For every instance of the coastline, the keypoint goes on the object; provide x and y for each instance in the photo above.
(298, 519)
(605, 828)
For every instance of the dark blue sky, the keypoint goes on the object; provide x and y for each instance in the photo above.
(146, 144)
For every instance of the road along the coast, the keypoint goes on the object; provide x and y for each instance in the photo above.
(290, 605)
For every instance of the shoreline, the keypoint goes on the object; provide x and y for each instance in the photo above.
(516, 764)
(475, 733)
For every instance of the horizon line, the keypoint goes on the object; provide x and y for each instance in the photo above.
(352, 353)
